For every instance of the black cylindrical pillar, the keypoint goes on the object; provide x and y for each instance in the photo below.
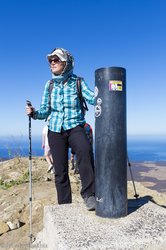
(110, 142)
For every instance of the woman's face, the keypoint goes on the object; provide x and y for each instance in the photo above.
(56, 65)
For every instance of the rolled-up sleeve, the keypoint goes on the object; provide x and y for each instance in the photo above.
(87, 93)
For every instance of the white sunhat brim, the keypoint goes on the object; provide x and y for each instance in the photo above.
(58, 53)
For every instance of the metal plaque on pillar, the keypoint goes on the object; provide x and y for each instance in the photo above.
(110, 142)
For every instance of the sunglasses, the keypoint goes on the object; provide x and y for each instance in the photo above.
(55, 60)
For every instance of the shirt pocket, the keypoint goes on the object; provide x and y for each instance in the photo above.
(70, 97)
(56, 99)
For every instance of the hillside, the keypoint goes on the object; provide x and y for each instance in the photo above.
(14, 200)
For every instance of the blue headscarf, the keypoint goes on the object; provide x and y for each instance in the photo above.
(62, 77)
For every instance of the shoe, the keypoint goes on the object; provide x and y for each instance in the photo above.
(52, 171)
(49, 168)
(90, 203)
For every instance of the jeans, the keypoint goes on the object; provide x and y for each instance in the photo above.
(59, 144)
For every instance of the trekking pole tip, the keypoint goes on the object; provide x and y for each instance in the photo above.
(32, 238)
(136, 196)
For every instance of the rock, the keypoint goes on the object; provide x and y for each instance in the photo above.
(14, 175)
(14, 225)
(3, 227)
(11, 211)
(64, 229)
(46, 178)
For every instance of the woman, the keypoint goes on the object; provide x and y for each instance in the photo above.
(66, 126)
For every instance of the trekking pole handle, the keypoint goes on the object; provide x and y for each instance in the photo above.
(29, 104)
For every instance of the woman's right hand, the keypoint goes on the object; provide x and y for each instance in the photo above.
(29, 110)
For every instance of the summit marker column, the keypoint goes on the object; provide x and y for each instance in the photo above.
(110, 142)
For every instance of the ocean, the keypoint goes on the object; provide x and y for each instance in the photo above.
(149, 149)
(140, 149)
(11, 147)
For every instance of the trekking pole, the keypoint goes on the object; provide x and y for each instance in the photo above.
(30, 177)
(129, 164)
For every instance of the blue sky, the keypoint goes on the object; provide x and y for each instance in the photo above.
(99, 33)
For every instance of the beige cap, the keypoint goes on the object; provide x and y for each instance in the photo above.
(58, 52)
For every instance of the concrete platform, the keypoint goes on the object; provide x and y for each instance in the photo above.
(73, 227)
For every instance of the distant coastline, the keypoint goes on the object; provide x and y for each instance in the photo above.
(140, 148)
(151, 174)
(146, 155)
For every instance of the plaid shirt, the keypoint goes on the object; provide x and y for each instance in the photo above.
(64, 111)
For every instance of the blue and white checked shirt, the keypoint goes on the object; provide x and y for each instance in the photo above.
(65, 111)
